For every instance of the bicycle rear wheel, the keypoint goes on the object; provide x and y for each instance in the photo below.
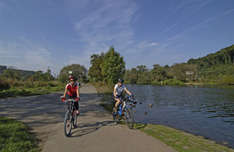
(129, 119)
(68, 124)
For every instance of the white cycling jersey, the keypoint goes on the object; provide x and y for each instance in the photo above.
(119, 89)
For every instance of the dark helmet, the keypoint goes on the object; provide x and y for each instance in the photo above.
(120, 80)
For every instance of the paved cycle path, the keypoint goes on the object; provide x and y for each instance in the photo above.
(96, 131)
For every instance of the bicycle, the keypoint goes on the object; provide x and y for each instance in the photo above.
(70, 119)
(125, 111)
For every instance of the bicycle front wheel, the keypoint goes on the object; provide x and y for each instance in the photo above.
(129, 119)
(75, 123)
(68, 124)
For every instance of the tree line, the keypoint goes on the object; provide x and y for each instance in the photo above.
(215, 68)
(109, 66)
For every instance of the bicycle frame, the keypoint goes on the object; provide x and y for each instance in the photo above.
(70, 105)
(70, 117)
(124, 105)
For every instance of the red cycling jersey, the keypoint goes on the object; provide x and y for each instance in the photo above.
(71, 89)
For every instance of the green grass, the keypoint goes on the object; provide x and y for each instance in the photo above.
(13, 92)
(16, 137)
(181, 141)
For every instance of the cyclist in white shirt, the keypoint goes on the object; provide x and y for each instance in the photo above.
(118, 92)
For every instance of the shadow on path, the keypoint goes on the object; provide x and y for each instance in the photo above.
(37, 111)
(87, 128)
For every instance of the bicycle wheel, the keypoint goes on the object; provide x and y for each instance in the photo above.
(68, 124)
(129, 119)
(75, 123)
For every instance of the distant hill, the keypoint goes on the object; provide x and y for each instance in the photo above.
(217, 66)
(23, 73)
(223, 57)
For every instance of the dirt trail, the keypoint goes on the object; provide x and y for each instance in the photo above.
(96, 131)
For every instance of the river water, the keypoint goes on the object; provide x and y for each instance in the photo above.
(208, 112)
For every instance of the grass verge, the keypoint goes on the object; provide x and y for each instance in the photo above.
(16, 137)
(181, 141)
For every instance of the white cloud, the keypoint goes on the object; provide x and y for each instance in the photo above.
(146, 44)
(25, 55)
(100, 24)
(109, 23)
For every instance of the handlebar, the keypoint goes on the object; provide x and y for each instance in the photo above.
(69, 100)
(132, 99)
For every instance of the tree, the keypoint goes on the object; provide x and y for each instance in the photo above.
(95, 71)
(141, 68)
(180, 71)
(112, 67)
(79, 71)
(131, 76)
(143, 75)
(159, 73)
(11, 74)
(40, 76)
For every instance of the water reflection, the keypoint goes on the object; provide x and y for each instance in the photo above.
(204, 111)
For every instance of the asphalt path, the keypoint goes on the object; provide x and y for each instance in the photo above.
(96, 131)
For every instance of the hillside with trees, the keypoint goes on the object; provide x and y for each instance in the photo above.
(215, 68)
(223, 57)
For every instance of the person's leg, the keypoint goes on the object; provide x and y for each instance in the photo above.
(117, 102)
(76, 104)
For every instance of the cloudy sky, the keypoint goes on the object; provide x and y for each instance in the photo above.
(35, 34)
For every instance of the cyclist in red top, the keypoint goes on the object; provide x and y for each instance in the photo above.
(72, 90)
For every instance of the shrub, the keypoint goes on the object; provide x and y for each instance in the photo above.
(4, 85)
(173, 82)
(227, 80)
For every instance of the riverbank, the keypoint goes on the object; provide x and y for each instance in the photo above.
(174, 82)
(177, 139)
(182, 141)
(16, 136)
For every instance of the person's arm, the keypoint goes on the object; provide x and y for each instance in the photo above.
(65, 92)
(114, 92)
(128, 92)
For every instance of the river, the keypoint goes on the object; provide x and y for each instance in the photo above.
(208, 112)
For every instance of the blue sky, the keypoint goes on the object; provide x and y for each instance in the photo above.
(35, 35)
